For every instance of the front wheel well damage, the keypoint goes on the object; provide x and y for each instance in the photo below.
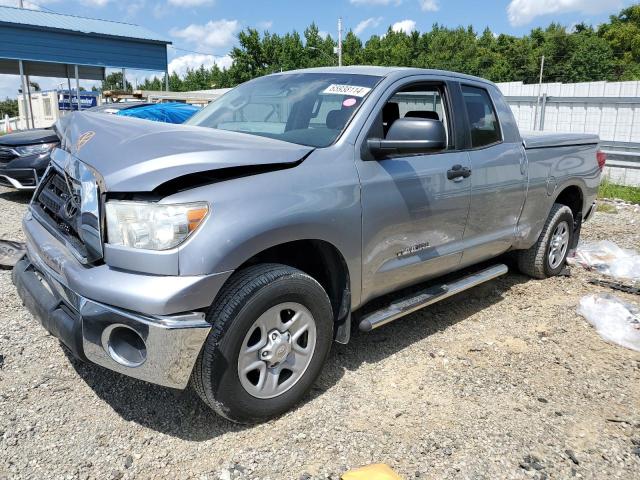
(322, 261)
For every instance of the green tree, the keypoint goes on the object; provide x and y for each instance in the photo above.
(33, 86)
(352, 50)
(622, 33)
(154, 83)
(610, 52)
(113, 81)
(450, 49)
(9, 106)
(591, 57)
(318, 51)
(249, 59)
(175, 83)
(395, 48)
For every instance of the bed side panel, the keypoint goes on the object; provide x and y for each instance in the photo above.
(550, 171)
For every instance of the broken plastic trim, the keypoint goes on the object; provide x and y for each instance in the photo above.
(208, 177)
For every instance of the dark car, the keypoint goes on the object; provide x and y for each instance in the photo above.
(24, 156)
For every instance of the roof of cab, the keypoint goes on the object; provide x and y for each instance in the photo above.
(389, 71)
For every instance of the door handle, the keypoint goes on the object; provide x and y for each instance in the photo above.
(458, 172)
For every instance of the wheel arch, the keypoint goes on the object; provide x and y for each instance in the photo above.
(573, 197)
(325, 263)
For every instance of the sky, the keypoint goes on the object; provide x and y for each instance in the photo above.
(204, 31)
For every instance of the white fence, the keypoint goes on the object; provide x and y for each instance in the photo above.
(609, 109)
(9, 124)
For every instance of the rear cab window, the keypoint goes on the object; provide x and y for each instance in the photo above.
(483, 121)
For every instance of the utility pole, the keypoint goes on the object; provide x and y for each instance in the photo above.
(26, 104)
(77, 72)
(535, 116)
(339, 41)
(21, 4)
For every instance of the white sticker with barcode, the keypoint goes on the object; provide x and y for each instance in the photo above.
(352, 90)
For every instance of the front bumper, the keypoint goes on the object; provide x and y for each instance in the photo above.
(94, 311)
(19, 178)
(157, 349)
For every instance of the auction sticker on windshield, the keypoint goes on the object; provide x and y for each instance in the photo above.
(352, 90)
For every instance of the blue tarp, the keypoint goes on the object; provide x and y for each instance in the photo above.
(162, 112)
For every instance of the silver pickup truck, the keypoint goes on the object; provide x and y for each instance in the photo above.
(229, 253)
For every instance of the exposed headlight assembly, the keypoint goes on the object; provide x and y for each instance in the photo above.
(38, 149)
(152, 226)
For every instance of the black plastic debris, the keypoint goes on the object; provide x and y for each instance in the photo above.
(623, 287)
(10, 253)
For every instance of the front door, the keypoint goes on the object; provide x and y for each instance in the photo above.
(413, 215)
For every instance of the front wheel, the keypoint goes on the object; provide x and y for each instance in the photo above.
(546, 258)
(272, 332)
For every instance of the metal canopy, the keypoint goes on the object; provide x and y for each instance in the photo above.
(57, 70)
(47, 44)
(74, 23)
(52, 38)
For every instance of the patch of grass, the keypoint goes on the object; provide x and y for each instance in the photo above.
(606, 208)
(623, 192)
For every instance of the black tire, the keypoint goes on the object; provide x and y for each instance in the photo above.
(535, 261)
(247, 295)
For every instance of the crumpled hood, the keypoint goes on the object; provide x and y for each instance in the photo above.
(134, 155)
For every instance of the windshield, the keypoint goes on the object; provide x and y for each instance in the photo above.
(304, 108)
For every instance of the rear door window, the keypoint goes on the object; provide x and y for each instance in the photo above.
(483, 120)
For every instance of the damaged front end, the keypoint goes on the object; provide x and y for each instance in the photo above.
(121, 304)
(149, 327)
(67, 203)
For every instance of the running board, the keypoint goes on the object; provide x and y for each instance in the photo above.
(429, 296)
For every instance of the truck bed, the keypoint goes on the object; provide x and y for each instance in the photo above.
(557, 161)
(534, 140)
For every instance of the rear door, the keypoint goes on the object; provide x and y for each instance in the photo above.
(413, 215)
(498, 179)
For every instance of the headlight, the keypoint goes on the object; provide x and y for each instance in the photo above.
(152, 226)
(37, 149)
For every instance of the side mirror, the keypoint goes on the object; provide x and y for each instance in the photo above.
(410, 136)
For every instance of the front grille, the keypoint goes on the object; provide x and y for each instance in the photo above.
(6, 155)
(61, 205)
(67, 204)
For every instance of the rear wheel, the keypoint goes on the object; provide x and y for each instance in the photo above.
(547, 256)
(272, 332)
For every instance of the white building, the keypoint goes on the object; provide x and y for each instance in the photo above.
(48, 106)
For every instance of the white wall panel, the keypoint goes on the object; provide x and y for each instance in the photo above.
(613, 121)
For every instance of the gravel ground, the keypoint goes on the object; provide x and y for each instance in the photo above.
(504, 381)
